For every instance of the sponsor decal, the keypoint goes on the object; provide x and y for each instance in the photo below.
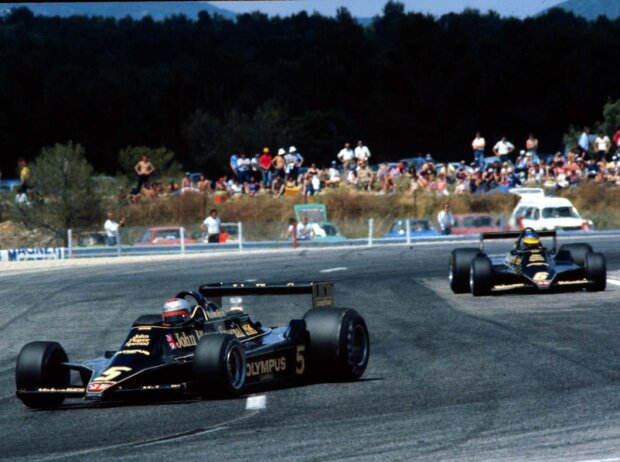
(184, 340)
(170, 340)
(139, 340)
(61, 390)
(98, 387)
(215, 314)
(266, 368)
(52, 253)
(110, 374)
(540, 276)
(536, 258)
(133, 352)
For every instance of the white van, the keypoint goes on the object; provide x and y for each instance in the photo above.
(548, 213)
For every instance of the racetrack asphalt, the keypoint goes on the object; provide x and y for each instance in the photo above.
(451, 377)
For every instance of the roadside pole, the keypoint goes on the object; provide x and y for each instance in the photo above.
(408, 230)
(69, 242)
(295, 234)
(240, 229)
(182, 232)
(118, 243)
(371, 223)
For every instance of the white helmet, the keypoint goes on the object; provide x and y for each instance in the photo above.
(292, 149)
(176, 310)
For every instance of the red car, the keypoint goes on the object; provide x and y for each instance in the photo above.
(163, 235)
(476, 223)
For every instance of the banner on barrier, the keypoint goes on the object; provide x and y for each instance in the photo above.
(49, 253)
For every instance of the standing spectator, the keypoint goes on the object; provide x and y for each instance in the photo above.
(617, 138)
(602, 144)
(279, 164)
(445, 219)
(419, 162)
(264, 164)
(234, 163)
(243, 168)
(303, 229)
(584, 141)
(503, 148)
(111, 229)
(24, 171)
(186, 183)
(294, 160)
(478, 145)
(143, 169)
(204, 185)
(362, 153)
(211, 227)
(531, 145)
(346, 156)
(255, 167)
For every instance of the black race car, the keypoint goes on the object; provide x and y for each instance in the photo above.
(215, 353)
(527, 266)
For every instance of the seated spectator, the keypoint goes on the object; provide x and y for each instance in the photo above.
(186, 184)
(291, 189)
(251, 187)
(352, 179)
(148, 193)
(365, 176)
(173, 188)
(204, 185)
(234, 188)
(441, 185)
(277, 186)
(334, 176)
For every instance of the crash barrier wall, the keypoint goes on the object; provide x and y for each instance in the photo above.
(371, 237)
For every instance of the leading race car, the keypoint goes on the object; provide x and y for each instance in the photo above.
(199, 349)
(528, 266)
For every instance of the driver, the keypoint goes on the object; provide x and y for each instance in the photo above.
(530, 241)
(176, 311)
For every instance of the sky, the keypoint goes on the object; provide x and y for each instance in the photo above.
(369, 8)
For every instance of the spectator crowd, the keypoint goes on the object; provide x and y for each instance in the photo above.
(285, 172)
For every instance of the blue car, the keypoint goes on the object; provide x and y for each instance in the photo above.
(417, 228)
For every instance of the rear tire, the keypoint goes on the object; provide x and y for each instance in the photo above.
(577, 252)
(596, 271)
(480, 276)
(460, 263)
(339, 344)
(38, 366)
(219, 366)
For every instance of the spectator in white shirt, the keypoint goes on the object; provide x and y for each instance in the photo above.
(445, 219)
(346, 156)
(478, 145)
(602, 144)
(211, 227)
(111, 228)
(362, 153)
(502, 148)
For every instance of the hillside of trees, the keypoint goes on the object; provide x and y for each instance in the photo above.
(405, 83)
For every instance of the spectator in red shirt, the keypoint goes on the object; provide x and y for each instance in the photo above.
(617, 138)
(264, 164)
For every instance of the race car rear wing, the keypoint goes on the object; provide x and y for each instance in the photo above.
(514, 235)
(322, 292)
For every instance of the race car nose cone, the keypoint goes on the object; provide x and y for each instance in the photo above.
(543, 284)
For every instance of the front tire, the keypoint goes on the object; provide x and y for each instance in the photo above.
(596, 271)
(339, 344)
(460, 262)
(39, 366)
(219, 366)
(480, 276)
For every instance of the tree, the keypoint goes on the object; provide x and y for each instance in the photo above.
(63, 194)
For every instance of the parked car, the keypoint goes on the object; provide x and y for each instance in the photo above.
(9, 185)
(324, 230)
(548, 213)
(476, 223)
(417, 228)
(163, 235)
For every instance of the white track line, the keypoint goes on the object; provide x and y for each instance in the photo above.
(614, 282)
(333, 270)
(256, 402)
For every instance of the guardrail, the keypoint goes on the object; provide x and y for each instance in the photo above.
(183, 248)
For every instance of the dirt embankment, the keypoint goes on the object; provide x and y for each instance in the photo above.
(17, 236)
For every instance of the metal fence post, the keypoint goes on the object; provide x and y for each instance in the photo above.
(69, 242)
(118, 243)
(371, 223)
(240, 229)
(408, 231)
(182, 233)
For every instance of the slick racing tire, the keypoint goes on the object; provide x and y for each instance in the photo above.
(480, 276)
(577, 252)
(596, 271)
(460, 262)
(219, 366)
(39, 366)
(339, 345)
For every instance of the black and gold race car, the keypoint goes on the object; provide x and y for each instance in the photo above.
(528, 266)
(214, 353)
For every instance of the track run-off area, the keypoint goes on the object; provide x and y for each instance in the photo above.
(451, 377)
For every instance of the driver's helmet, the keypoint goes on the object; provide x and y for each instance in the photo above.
(531, 240)
(176, 310)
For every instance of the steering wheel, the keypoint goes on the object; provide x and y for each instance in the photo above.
(200, 299)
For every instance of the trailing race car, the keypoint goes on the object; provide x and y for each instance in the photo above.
(203, 351)
(529, 265)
